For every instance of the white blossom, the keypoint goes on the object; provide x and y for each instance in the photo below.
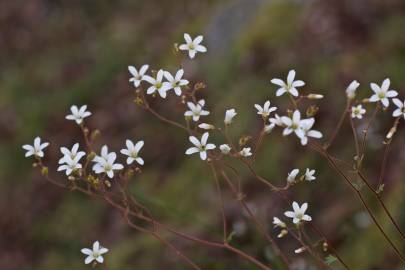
(306, 126)
(36, 148)
(382, 93)
(278, 223)
(290, 86)
(176, 82)
(401, 108)
(229, 115)
(358, 111)
(192, 46)
(200, 146)
(157, 84)
(292, 175)
(70, 160)
(298, 214)
(293, 124)
(265, 110)
(78, 114)
(351, 89)
(225, 149)
(105, 163)
(196, 110)
(310, 175)
(94, 254)
(137, 76)
(206, 126)
(245, 152)
(132, 151)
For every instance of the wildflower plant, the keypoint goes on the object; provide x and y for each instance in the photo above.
(104, 176)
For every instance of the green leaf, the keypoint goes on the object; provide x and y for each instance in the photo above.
(330, 259)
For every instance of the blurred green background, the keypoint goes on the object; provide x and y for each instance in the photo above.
(57, 53)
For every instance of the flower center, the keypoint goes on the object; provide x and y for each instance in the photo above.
(381, 95)
(294, 126)
(108, 167)
(191, 46)
(158, 85)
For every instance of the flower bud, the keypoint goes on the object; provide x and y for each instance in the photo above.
(351, 89)
(315, 96)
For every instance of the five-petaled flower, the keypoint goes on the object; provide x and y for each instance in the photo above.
(290, 86)
(78, 114)
(298, 214)
(200, 146)
(293, 124)
(70, 160)
(176, 82)
(306, 127)
(358, 111)
(192, 46)
(382, 93)
(157, 84)
(265, 110)
(94, 254)
(36, 148)
(132, 151)
(105, 163)
(196, 110)
(401, 108)
(245, 152)
(137, 76)
(310, 175)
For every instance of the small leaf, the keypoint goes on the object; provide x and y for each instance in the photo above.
(330, 259)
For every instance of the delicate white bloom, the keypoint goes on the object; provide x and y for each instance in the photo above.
(315, 96)
(265, 110)
(278, 223)
(401, 108)
(382, 93)
(196, 110)
(71, 158)
(105, 163)
(36, 148)
(206, 126)
(192, 46)
(157, 84)
(299, 213)
(229, 115)
(137, 76)
(306, 126)
(94, 254)
(351, 89)
(269, 128)
(225, 149)
(293, 124)
(358, 111)
(292, 175)
(132, 151)
(300, 250)
(276, 120)
(245, 152)
(310, 175)
(290, 86)
(200, 146)
(78, 114)
(176, 82)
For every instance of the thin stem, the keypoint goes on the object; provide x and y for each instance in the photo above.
(339, 125)
(221, 199)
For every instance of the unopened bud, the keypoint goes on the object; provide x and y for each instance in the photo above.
(44, 171)
(138, 101)
(391, 132)
(300, 250)
(283, 233)
(269, 128)
(107, 183)
(325, 246)
(95, 134)
(91, 156)
(206, 126)
(312, 111)
(315, 96)
(244, 140)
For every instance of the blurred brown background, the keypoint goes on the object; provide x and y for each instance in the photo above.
(57, 53)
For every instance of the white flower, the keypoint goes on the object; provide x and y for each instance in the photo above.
(299, 213)
(351, 89)
(278, 223)
(200, 146)
(138, 76)
(269, 128)
(306, 126)
(70, 160)
(132, 151)
(192, 46)
(36, 149)
(94, 254)
(276, 120)
(293, 124)
(105, 163)
(358, 111)
(245, 152)
(229, 115)
(157, 84)
(78, 114)
(290, 86)
(309, 175)
(206, 126)
(196, 110)
(382, 93)
(225, 149)
(176, 82)
(401, 108)
(265, 110)
(292, 175)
